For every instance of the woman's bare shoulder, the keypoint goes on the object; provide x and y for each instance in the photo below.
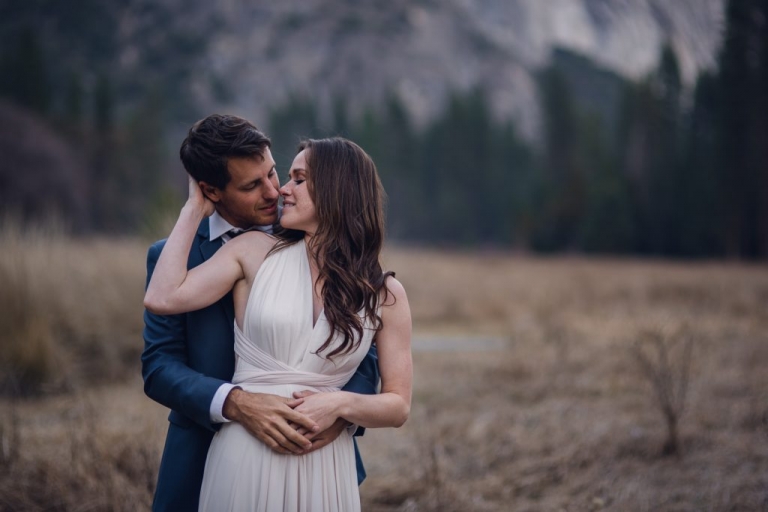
(395, 315)
(259, 238)
(252, 247)
(395, 292)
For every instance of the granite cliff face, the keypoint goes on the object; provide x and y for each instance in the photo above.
(420, 51)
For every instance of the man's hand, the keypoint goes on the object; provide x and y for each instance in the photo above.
(267, 418)
(326, 437)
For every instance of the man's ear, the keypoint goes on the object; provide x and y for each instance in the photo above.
(211, 192)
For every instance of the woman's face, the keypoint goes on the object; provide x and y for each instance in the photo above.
(298, 208)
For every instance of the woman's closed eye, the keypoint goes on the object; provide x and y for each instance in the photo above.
(297, 180)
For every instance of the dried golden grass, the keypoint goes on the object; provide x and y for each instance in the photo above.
(70, 309)
(560, 419)
(69, 453)
(565, 419)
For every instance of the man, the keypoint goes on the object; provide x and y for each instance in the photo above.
(188, 359)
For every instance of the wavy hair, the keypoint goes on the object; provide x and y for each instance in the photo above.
(349, 200)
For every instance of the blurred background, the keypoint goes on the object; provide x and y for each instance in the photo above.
(623, 127)
(577, 205)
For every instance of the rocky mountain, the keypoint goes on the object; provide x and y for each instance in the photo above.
(265, 53)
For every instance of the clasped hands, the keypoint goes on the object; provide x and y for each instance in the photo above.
(297, 425)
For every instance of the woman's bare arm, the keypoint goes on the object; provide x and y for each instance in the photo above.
(391, 407)
(173, 289)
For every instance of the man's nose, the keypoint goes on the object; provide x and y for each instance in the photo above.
(271, 192)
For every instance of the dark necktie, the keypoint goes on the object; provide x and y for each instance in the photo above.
(234, 232)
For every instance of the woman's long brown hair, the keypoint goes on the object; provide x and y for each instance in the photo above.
(349, 201)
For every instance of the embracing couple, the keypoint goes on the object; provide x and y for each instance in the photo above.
(266, 333)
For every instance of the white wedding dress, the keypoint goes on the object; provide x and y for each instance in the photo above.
(275, 353)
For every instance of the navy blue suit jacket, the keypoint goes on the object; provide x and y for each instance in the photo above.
(186, 358)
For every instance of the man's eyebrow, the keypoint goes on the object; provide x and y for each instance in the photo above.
(257, 181)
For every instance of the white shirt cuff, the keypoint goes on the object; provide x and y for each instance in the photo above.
(217, 404)
(352, 429)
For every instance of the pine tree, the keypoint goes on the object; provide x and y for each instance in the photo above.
(700, 199)
(761, 133)
(25, 75)
(74, 108)
(607, 224)
(398, 167)
(737, 127)
(106, 190)
(664, 173)
(287, 125)
(563, 182)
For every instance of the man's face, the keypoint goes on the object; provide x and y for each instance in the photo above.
(250, 197)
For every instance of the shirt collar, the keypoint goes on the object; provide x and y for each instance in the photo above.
(217, 226)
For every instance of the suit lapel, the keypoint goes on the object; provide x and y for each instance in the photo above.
(207, 249)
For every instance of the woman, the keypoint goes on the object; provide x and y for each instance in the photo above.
(308, 304)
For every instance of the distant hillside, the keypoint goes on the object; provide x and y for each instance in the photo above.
(361, 51)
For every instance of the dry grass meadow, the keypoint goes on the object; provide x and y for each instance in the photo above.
(555, 414)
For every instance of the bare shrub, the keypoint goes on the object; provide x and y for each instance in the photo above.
(434, 479)
(665, 362)
(9, 438)
(555, 333)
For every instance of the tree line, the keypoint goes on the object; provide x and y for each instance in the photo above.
(91, 94)
(647, 167)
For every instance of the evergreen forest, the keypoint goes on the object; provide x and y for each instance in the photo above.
(650, 167)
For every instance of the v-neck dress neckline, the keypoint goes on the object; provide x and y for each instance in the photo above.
(321, 314)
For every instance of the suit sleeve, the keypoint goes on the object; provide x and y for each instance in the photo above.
(366, 379)
(168, 379)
